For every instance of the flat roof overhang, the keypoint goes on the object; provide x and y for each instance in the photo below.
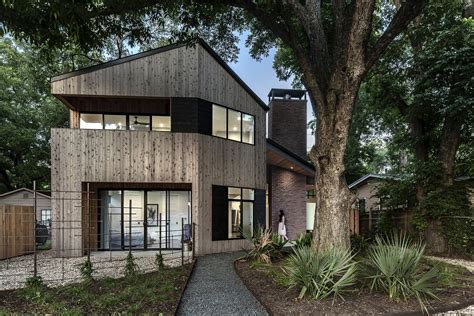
(278, 155)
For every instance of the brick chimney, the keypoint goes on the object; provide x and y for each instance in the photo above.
(287, 119)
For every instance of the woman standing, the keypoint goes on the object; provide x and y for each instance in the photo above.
(281, 226)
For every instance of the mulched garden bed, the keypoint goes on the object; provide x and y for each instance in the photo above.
(152, 293)
(279, 300)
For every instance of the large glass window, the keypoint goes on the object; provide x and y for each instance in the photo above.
(240, 212)
(233, 125)
(91, 121)
(139, 122)
(111, 219)
(115, 121)
(156, 224)
(248, 125)
(161, 123)
(219, 121)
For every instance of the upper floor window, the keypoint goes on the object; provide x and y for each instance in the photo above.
(233, 125)
(115, 122)
(139, 123)
(91, 121)
(125, 122)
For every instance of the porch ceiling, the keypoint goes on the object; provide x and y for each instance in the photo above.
(283, 158)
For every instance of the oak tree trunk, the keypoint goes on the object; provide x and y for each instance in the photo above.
(333, 198)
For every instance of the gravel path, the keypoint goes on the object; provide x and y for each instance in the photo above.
(61, 271)
(469, 265)
(216, 289)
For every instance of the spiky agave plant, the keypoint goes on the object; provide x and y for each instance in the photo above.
(320, 274)
(393, 266)
(262, 244)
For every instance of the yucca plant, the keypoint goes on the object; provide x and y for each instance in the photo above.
(304, 239)
(393, 266)
(278, 243)
(320, 274)
(262, 244)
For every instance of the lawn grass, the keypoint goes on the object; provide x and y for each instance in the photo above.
(154, 293)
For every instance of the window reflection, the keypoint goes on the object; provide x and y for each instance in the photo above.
(91, 121)
(115, 122)
(139, 123)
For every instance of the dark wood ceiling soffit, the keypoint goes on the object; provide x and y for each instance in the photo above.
(276, 158)
(107, 104)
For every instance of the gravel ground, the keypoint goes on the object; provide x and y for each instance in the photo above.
(60, 271)
(468, 311)
(215, 289)
(458, 262)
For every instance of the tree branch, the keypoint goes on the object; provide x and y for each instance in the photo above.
(409, 10)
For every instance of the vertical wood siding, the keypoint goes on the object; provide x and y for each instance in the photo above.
(80, 156)
(130, 156)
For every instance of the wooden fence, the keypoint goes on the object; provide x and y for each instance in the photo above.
(400, 221)
(16, 230)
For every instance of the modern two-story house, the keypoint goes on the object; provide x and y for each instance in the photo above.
(171, 134)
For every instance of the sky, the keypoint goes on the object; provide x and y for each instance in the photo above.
(261, 77)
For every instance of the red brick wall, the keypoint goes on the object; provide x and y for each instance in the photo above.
(287, 124)
(288, 192)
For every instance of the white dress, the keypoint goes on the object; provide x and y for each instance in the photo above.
(282, 228)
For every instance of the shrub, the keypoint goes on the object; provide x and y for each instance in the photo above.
(263, 245)
(35, 282)
(131, 268)
(278, 244)
(320, 274)
(393, 266)
(87, 270)
(160, 265)
(304, 239)
(359, 244)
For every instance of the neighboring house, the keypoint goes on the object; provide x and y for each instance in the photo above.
(175, 133)
(25, 197)
(365, 190)
(368, 208)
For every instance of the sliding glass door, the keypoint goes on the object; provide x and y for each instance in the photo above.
(154, 220)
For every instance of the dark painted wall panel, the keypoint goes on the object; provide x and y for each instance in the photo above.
(259, 209)
(191, 115)
(219, 212)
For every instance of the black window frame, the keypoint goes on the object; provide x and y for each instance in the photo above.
(241, 200)
(227, 125)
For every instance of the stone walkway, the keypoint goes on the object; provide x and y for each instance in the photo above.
(216, 289)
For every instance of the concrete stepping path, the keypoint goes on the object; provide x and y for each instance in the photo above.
(216, 289)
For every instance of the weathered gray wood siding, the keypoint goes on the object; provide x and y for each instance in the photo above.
(80, 156)
(130, 156)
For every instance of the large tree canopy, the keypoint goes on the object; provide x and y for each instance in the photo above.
(332, 43)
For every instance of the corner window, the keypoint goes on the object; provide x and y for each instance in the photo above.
(219, 121)
(91, 121)
(233, 125)
(115, 122)
(248, 125)
(161, 123)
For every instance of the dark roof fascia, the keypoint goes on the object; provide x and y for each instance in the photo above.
(23, 189)
(372, 175)
(305, 163)
(162, 50)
